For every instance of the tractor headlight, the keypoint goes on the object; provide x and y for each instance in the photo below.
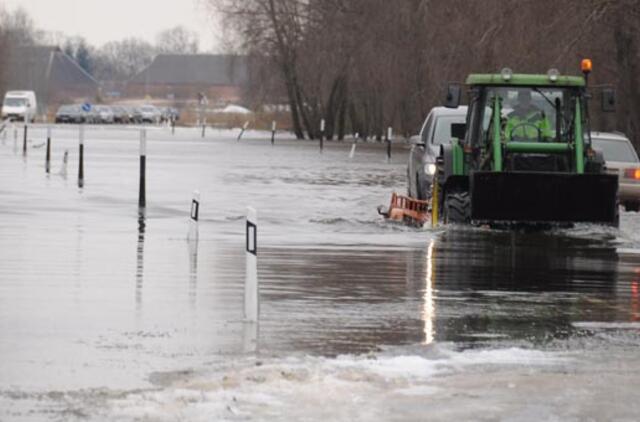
(430, 169)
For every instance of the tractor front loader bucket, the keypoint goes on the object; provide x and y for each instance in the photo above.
(535, 197)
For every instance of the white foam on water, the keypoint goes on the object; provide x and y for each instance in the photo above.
(314, 388)
(608, 325)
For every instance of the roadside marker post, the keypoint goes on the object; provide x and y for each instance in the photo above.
(244, 128)
(274, 128)
(47, 164)
(389, 138)
(142, 190)
(353, 147)
(322, 127)
(194, 217)
(81, 160)
(251, 288)
(24, 141)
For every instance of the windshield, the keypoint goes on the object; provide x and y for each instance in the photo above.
(616, 150)
(529, 114)
(15, 102)
(442, 132)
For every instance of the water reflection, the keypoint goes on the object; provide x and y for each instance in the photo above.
(428, 313)
(193, 271)
(140, 258)
(464, 286)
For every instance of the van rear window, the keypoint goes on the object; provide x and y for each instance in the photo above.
(15, 102)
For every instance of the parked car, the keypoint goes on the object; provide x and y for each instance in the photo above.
(435, 131)
(104, 114)
(69, 113)
(20, 105)
(150, 114)
(621, 159)
(121, 114)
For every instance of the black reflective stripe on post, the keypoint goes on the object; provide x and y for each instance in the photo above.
(252, 235)
(48, 157)
(24, 142)
(142, 190)
(195, 210)
(81, 167)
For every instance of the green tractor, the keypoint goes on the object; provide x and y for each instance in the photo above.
(524, 155)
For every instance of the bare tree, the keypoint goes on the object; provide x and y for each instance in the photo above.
(177, 40)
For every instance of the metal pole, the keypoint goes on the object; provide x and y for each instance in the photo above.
(251, 288)
(81, 162)
(48, 156)
(142, 191)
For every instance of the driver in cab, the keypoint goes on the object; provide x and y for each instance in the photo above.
(527, 123)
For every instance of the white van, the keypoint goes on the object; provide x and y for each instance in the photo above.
(20, 105)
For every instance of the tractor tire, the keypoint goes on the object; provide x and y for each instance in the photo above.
(632, 206)
(457, 208)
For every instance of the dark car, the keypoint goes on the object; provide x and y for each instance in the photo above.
(69, 114)
(120, 114)
(435, 131)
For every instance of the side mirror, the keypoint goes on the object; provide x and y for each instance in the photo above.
(416, 140)
(454, 92)
(458, 130)
(609, 100)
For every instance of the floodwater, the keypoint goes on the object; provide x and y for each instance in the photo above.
(110, 314)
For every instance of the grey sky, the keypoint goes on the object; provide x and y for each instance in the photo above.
(100, 21)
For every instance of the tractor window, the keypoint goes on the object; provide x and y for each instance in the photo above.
(529, 113)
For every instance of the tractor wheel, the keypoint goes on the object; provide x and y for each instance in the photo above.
(632, 206)
(457, 207)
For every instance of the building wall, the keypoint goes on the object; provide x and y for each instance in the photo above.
(215, 94)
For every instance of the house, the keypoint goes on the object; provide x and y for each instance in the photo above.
(180, 77)
(55, 77)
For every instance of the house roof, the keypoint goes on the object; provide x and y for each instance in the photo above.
(45, 69)
(199, 69)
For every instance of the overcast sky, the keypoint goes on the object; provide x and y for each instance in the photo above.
(100, 21)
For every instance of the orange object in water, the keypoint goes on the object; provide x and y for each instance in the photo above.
(408, 210)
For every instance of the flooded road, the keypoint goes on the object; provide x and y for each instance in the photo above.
(108, 314)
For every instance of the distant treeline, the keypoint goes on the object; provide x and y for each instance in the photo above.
(366, 64)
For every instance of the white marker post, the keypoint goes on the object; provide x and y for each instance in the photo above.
(194, 216)
(142, 191)
(251, 290)
(322, 127)
(353, 147)
(81, 153)
(274, 127)
(243, 130)
(47, 164)
(389, 138)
